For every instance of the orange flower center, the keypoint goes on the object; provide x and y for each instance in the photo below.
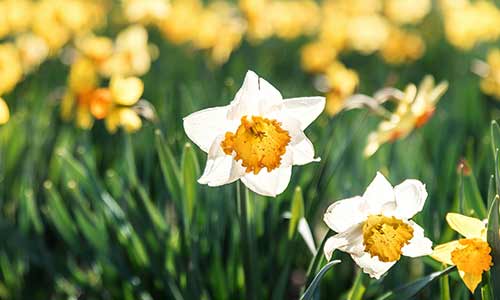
(100, 102)
(472, 256)
(422, 119)
(385, 237)
(258, 143)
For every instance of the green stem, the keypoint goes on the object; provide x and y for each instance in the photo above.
(248, 266)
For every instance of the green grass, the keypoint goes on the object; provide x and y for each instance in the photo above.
(86, 215)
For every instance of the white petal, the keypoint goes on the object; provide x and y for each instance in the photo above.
(343, 214)
(202, 127)
(305, 109)
(410, 198)
(220, 168)
(371, 265)
(419, 245)
(256, 97)
(303, 151)
(350, 241)
(268, 183)
(379, 196)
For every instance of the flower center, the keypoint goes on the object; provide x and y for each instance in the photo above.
(472, 256)
(258, 142)
(385, 237)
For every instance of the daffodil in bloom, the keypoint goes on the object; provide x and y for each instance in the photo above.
(145, 11)
(471, 254)
(257, 138)
(11, 70)
(122, 95)
(376, 228)
(414, 108)
(490, 72)
(4, 112)
(341, 83)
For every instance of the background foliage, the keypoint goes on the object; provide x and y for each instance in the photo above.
(88, 215)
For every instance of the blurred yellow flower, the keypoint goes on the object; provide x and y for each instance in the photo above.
(125, 92)
(4, 112)
(16, 16)
(220, 31)
(367, 33)
(131, 54)
(490, 83)
(414, 109)
(402, 47)
(342, 83)
(181, 24)
(317, 56)
(145, 11)
(96, 48)
(32, 50)
(407, 11)
(468, 23)
(471, 254)
(82, 81)
(11, 70)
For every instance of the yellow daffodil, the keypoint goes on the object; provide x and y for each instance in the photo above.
(376, 228)
(82, 81)
(221, 31)
(490, 83)
(402, 47)
(257, 138)
(414, 109)
(96, 48)
(11, 70)
(317, 56)
(123, 94)
(407, 11)
(367, 33)
(33, 50)
(181, 24)
(468, 23)
(131, 54)
(145, 11)
(4, 112)
(17, 16)
(342, 83)
(470, 254)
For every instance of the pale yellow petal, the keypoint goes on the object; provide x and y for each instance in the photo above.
(442, 253)
(470, 280)
(129, 120)
(126, 91)
(84, 119)
(4, 112)
(467, 226)
(113, 121)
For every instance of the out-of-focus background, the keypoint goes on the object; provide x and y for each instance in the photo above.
(98, 195)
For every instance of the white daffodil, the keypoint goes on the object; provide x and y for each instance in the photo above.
(375, 229)
(256, 138)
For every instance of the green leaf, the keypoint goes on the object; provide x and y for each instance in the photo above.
(297, 212)
(409, 290)
(190, 174)
(494, 242)
(444, 284)
(472, 200)
(359, 287)
(59, 215)
(168, 166)
(315, 262)
(495, 136)
(309, 293)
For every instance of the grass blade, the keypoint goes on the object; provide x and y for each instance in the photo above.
(309, 293)
(494, 241)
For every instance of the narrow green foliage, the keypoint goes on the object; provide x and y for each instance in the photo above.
(310, 291)
(494, 242)
(297, 212)
(190, 173)
(410, 290)
(168, 165)
(358, 289)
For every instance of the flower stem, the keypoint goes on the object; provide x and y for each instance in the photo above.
(242, 196)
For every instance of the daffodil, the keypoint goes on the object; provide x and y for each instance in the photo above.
(131, 54)
(490, 73)
(414, 109)
(32, 50)
(341, 83)
(145, 11)
(123, 94)
(11, 70)
(256, 138)
(470, 254)
(376, 228)
(4, 112)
